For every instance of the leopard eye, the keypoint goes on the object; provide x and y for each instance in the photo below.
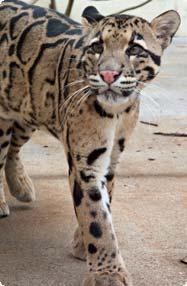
(135, 50)
(97, 47)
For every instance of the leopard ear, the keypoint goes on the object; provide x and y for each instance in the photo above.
(90, 17)
(165, 26)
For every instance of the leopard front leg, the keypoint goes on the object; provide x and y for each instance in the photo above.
(93, 212)
(88, 167)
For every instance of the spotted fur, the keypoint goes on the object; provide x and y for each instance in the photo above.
(81, 83)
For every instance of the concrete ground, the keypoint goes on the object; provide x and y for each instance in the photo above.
(149, 207)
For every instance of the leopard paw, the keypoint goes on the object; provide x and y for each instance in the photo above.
(108, 279)
(78, 249)
(4, 209)
(20, 185)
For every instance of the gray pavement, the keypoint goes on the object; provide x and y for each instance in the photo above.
(149, 208)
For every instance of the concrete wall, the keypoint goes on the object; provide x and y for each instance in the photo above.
(149, 11)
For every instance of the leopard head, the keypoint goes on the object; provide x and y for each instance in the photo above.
(123, 52)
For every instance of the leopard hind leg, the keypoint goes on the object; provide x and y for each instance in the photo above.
(20, 185)
(5, 137)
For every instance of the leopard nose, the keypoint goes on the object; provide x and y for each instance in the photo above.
(109, 76)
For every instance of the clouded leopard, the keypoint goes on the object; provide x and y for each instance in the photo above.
(81, 83)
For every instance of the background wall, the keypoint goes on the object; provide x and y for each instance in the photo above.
(149, 11)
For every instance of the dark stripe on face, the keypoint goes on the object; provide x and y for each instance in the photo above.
(86, 178)
(156, 59)
(77, 194)
(101, 111)
(150, 71)
(95, 230)
(95, 154)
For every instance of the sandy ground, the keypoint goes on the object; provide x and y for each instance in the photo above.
(149, 207)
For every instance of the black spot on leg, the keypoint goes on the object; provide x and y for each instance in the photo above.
(25, 138)
(99, 264)
(70, 161)
(86, 178)
(93, 214)
(95, 194)
(95, 154)
(95, 230)
(92, 249)
(108, 206)
(9, 130)
(4, 74)
(114, 267)
(113, 255)
(5, 144)
(128, 109)
(104, 215)
(1, 132)
(75, 211)
(77, 194)
(78, 157)
(109, 176)
(1, 166)
(121, 143)
(19, 127)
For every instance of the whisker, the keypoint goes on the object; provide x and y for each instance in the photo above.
(68, 99)
(72, 83)
(80, 101)
(75, 95)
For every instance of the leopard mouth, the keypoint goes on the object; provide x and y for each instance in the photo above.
(115, 94)
(117, 101)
